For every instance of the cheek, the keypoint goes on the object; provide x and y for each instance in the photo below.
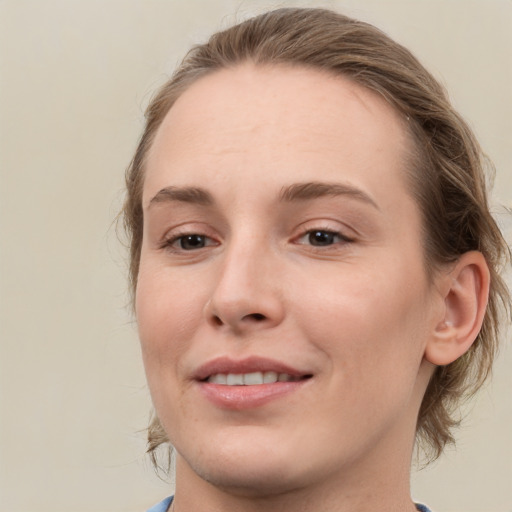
(165, 305)
(166, 318)
(366, 322)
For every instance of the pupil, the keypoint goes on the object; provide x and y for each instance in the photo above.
(192, 242)
(321, 238)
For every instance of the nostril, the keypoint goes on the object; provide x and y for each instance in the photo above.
(256, 316)
(217, 320)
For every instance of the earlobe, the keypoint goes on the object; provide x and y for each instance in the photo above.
(466, 290)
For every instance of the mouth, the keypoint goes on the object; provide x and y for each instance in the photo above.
(253, 378)
(251, 371)
(249, 383)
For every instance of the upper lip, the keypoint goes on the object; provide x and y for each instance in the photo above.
(227, 365)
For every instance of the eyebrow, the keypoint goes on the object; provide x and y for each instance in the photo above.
(295, 192)
(194, 195)
(316, 189)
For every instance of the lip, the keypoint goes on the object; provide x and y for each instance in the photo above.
(247, 365)
(247, 397)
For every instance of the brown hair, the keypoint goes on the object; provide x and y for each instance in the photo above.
(447, 170)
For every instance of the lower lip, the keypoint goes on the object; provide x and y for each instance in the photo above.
(248, 397)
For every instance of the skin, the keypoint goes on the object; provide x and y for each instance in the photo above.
(355, 312)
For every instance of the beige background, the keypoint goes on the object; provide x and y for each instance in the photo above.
(74, 79)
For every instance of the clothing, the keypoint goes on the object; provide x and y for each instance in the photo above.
(163, 506)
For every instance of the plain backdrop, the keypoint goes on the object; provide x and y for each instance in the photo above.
(75, 77)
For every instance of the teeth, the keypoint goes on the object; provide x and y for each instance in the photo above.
(250, 379)
(235, 379)
(219, 378)
(269, 377)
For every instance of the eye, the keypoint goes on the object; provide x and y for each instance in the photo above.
(190, 242)
(322, 238)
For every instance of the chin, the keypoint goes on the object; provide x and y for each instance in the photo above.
(243, 480)
(248, 469)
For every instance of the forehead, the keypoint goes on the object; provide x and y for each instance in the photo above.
(280, 119)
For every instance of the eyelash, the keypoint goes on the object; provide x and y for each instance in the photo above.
(170, 243)
(205, 241)
(330, 233)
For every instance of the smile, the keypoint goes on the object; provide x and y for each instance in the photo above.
(248, 383)
(251, 379)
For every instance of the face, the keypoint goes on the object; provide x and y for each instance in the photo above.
(282, 299)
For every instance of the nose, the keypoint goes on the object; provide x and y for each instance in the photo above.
(247, 292)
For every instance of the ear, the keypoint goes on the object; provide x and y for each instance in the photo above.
(465, 289)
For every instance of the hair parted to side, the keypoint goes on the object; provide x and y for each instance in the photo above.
(447, 171)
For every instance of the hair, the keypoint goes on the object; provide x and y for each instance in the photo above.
(447, 169)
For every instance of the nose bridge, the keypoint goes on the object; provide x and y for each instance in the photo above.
(246, 292)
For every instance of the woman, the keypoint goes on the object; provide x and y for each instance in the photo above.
(314, 265)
